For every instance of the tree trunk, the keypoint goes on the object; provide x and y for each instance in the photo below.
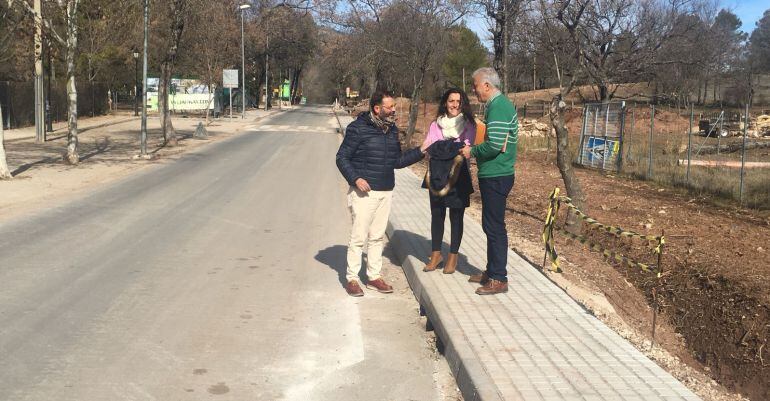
(167, 128)
(5, 173)
(414, 109)
(177, 27)
(604, 93)
(498, 39)
(72, 156)
(563, 156)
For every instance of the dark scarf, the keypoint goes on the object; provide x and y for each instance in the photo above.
(384, 125)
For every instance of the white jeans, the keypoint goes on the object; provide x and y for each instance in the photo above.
(370, 211)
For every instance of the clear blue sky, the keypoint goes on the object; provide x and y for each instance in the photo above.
(749, 11)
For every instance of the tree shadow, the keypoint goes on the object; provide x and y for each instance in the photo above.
(100, 147)
(27, 166)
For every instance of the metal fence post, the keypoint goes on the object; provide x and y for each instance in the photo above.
(721, 127)
(622, 134)
(652, 128)
(689, 145)
(583, 133)
(743, 153)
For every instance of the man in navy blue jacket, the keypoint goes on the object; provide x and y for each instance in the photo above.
(367, 157)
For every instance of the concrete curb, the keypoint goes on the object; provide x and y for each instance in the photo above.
(472, 379)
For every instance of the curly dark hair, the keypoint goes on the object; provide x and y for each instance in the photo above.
(465, 104)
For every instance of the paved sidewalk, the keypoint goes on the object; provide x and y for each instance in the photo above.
(532, 343)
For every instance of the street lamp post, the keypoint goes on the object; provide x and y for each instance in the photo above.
(267, 87)
(144, 77)
(136, 82)
(243, 63)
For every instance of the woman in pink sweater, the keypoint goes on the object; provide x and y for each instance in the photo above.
(454, 122)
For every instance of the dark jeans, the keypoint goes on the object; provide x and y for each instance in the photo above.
(437, 217)
(494, 192)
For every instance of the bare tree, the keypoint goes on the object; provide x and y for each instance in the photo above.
(6, 38)
(68, 10)
(176, 17)
(503, 15)
(215, 43)
(570, 17)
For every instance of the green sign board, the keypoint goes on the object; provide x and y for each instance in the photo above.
(286, 90)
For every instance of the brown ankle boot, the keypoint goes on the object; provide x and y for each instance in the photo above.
(435, 259)
(451, 263)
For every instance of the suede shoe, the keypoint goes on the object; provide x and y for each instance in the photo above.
(435, 260)
(353, 289)
(451, 263)
(480, 278)
(493, 287)
(379, 285)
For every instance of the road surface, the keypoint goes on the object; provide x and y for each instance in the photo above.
(217, 276)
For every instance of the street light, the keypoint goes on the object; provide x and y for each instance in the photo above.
(136, 82)
(243, 63)
(144, 78)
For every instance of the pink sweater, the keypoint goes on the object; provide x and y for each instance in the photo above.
(468, 135)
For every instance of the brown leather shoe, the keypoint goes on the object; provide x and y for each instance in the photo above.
(435, 259)
(451, 263)
(353, 289)
(493, 287)
(379, 285)
(480, 278)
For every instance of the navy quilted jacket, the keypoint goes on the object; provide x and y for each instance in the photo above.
(368, 153)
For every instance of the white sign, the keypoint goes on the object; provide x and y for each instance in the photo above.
(184, 101)
(229, 78)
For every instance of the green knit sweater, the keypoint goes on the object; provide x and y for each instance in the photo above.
(494, 157)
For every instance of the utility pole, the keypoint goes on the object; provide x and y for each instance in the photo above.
(39, 96)
(144, 77)
(243, 7)
(267, 86)
(136, 82)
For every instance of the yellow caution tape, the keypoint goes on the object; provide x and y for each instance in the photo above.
(608, 253)
(550, 219)
(548, 239)
(617, 231)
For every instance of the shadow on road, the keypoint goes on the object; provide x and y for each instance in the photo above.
(335, 257)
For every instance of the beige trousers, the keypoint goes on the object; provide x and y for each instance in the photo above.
(370, 211)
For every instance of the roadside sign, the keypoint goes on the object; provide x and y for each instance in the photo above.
(229, 78)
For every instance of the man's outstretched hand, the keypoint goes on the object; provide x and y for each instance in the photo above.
(466, 151)
(362, 185)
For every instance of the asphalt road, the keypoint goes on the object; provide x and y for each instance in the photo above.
(217, 276)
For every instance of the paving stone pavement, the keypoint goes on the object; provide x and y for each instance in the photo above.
(533, 343)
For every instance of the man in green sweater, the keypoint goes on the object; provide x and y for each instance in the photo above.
(495, 158)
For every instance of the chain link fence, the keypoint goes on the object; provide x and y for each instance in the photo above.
(722, 152)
